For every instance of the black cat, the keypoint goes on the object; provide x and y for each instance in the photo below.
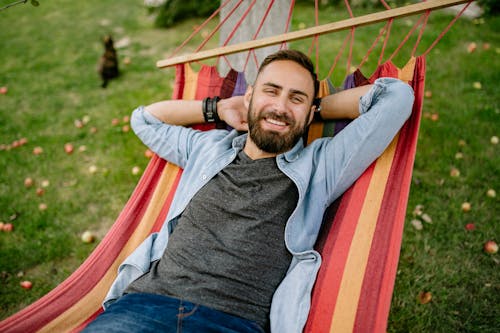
(108, 63)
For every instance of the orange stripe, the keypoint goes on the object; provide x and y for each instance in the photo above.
(347, 301)
(336, 247)
(190, 83)
(91, 302)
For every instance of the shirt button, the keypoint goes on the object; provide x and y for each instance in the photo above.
(204, 177)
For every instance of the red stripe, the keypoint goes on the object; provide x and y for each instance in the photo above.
(335, 253)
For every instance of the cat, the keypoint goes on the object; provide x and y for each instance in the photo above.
(108, 63)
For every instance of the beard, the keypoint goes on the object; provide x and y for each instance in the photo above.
(271, 141)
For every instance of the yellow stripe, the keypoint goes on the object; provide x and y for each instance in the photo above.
(90, 303)
(352, 279)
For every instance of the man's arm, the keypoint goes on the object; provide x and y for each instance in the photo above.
(344, 104)
(185, 113)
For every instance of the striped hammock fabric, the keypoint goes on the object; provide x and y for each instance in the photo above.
(359, 242)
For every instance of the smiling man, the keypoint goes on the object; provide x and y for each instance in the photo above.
(236, 252)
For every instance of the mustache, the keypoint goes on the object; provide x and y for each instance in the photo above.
(279, 116)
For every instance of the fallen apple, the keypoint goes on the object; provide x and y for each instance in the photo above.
(417, 224)
(40, 191)
(466, 207)
(424, 297)
(26, 284)
(454, 172)
(470, 226)
(3, 90)
(491, 193)
(7, 227)
(37, 150)
(88, 237)
(78, 123)
(42, 206)
(494, 140)
(471, 47)
(115, 121)
(68, 148)
(491, 247)
(148, 153)
(28, 182)
(125, 128)
(136, 170)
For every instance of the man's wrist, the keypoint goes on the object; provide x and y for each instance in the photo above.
(209, 108)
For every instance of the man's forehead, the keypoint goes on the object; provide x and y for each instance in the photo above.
(286, 74)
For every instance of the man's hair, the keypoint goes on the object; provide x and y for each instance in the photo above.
(297, 57)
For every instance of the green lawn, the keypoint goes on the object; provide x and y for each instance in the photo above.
(48, 59)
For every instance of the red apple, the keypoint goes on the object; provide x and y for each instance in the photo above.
(8, 227)
(115, 121)
(491, 247)
(37, 150)
(26, 285)
(40, 191)
(3, 90)
(125, 128)
(68, 148)
(470, 226)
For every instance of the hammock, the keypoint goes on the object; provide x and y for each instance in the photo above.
(359, 241)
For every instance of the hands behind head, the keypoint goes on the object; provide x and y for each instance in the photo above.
(234, 112)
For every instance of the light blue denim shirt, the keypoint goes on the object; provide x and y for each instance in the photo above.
(322, 171)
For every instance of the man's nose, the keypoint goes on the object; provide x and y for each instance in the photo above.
(281, 104)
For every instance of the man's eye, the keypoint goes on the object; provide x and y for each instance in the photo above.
(270, 91)
(297, 100)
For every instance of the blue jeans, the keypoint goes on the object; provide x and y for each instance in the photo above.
(157, 313)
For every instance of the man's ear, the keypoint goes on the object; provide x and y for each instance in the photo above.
(311, 114)
(248, 96)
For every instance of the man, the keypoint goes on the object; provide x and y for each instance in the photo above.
(236, 251)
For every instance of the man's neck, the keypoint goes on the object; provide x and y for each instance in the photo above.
(255, 152)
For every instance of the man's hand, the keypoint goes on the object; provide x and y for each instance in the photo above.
(233, 111)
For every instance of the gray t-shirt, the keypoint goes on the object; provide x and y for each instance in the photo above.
(228, 250)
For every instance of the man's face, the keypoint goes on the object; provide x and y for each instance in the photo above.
(280, 106)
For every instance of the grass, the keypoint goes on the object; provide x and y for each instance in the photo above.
(48, 62)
